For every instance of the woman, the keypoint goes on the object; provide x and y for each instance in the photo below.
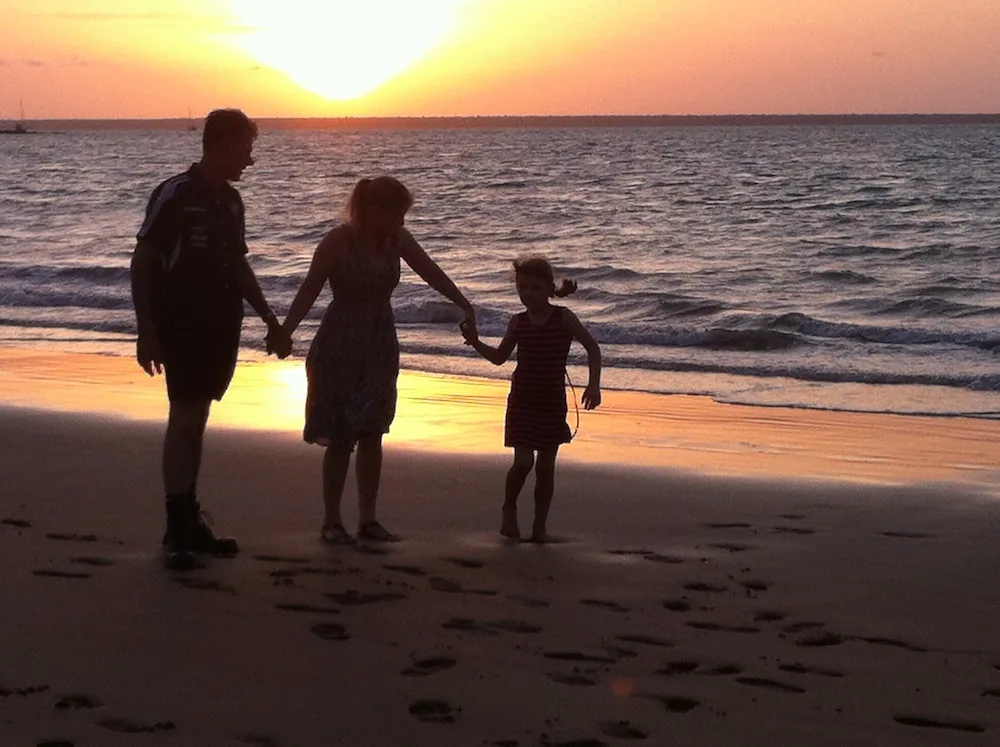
(353, 361)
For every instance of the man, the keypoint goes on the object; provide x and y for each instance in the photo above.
(190, 277)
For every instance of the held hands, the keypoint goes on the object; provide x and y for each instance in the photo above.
(468, 327)
(277, 340)
(591, 397)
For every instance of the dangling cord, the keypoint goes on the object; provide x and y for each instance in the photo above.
(576, 407)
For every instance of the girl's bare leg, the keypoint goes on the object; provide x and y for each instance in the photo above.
(335, 463)
(545, 482)
(368, 470)
(524, 459)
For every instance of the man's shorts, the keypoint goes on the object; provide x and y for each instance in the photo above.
(199, 364)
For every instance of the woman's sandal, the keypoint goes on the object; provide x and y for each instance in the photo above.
(335, 534)
(376, 533)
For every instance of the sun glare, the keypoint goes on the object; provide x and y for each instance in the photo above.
(341, 49)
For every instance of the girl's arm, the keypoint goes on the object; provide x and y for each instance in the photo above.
(495, 355)
(319, 271)
(592, 394)
(418, 260)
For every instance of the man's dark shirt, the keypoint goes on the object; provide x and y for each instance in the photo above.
(199, 236)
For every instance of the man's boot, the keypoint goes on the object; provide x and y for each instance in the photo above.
(178, 541)
(203, 539)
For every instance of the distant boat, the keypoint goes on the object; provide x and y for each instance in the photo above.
(19, 128)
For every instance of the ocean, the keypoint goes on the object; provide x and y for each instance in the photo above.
(832, 266)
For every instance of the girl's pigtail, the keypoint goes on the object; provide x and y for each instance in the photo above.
(566, 287)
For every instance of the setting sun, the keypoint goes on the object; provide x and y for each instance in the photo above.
(341, 49)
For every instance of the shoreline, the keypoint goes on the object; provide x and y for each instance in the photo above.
(454, 414)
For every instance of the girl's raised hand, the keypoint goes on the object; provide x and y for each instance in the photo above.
(591, 397)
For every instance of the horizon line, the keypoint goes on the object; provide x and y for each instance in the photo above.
(521, 120)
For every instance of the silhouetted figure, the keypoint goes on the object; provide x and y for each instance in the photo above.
(535, 422)
(353, 361)
(189, 280)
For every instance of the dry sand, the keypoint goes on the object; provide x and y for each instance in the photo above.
(724, 576)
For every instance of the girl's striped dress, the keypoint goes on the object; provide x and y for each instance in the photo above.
(536, 406)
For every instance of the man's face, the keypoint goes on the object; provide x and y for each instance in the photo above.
(237, 154)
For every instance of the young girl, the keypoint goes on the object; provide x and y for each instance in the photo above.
(536, 406)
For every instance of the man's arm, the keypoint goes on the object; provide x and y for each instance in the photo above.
(250, 289)
(147, 349)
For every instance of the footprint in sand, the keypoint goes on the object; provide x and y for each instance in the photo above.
(573, 680)
(19, 523)
(466, 625)
(770, 684)
(434, 711)
(908, 535)
(721, 628)
(409, 570)
(330, 631)
(72, 537)
(257, 739)
(933, 723)
(578, 656)
(532, 603)
(463, 562)
(678, 667)
(992, 693)
(677, 605)
(892, 642)
(792, 530)
(77, 702)
(728, 525)
(622, 730)
(802, 626)
(95, 561)
(654, 557)
(577, 743)
(49, 573)
(424, 667)
(308, 608)
(674, 703)
(803, 669)
(754, 585)
(604, 604)
(769, 616)
(351, 597)
(646, 640)
(722, 670)
(55, 743)
(125, 726)
(705, 587)
(820, 640)
(204, 584)
(729, 546)
(23, 692)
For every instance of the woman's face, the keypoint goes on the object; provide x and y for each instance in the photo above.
(533, 292)
(384, 219)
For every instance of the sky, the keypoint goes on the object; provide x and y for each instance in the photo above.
(96, 59)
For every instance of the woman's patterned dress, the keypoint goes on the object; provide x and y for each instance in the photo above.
(353, 362)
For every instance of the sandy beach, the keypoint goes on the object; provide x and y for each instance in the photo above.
(724, 575)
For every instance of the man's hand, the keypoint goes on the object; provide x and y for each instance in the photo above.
(147, 353)
(278, 341)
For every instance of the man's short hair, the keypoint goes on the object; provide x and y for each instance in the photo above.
(222, 125)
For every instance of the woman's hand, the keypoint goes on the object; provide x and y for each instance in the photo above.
(469, 332)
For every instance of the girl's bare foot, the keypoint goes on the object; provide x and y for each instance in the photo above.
(508, 525)
(539, 535)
